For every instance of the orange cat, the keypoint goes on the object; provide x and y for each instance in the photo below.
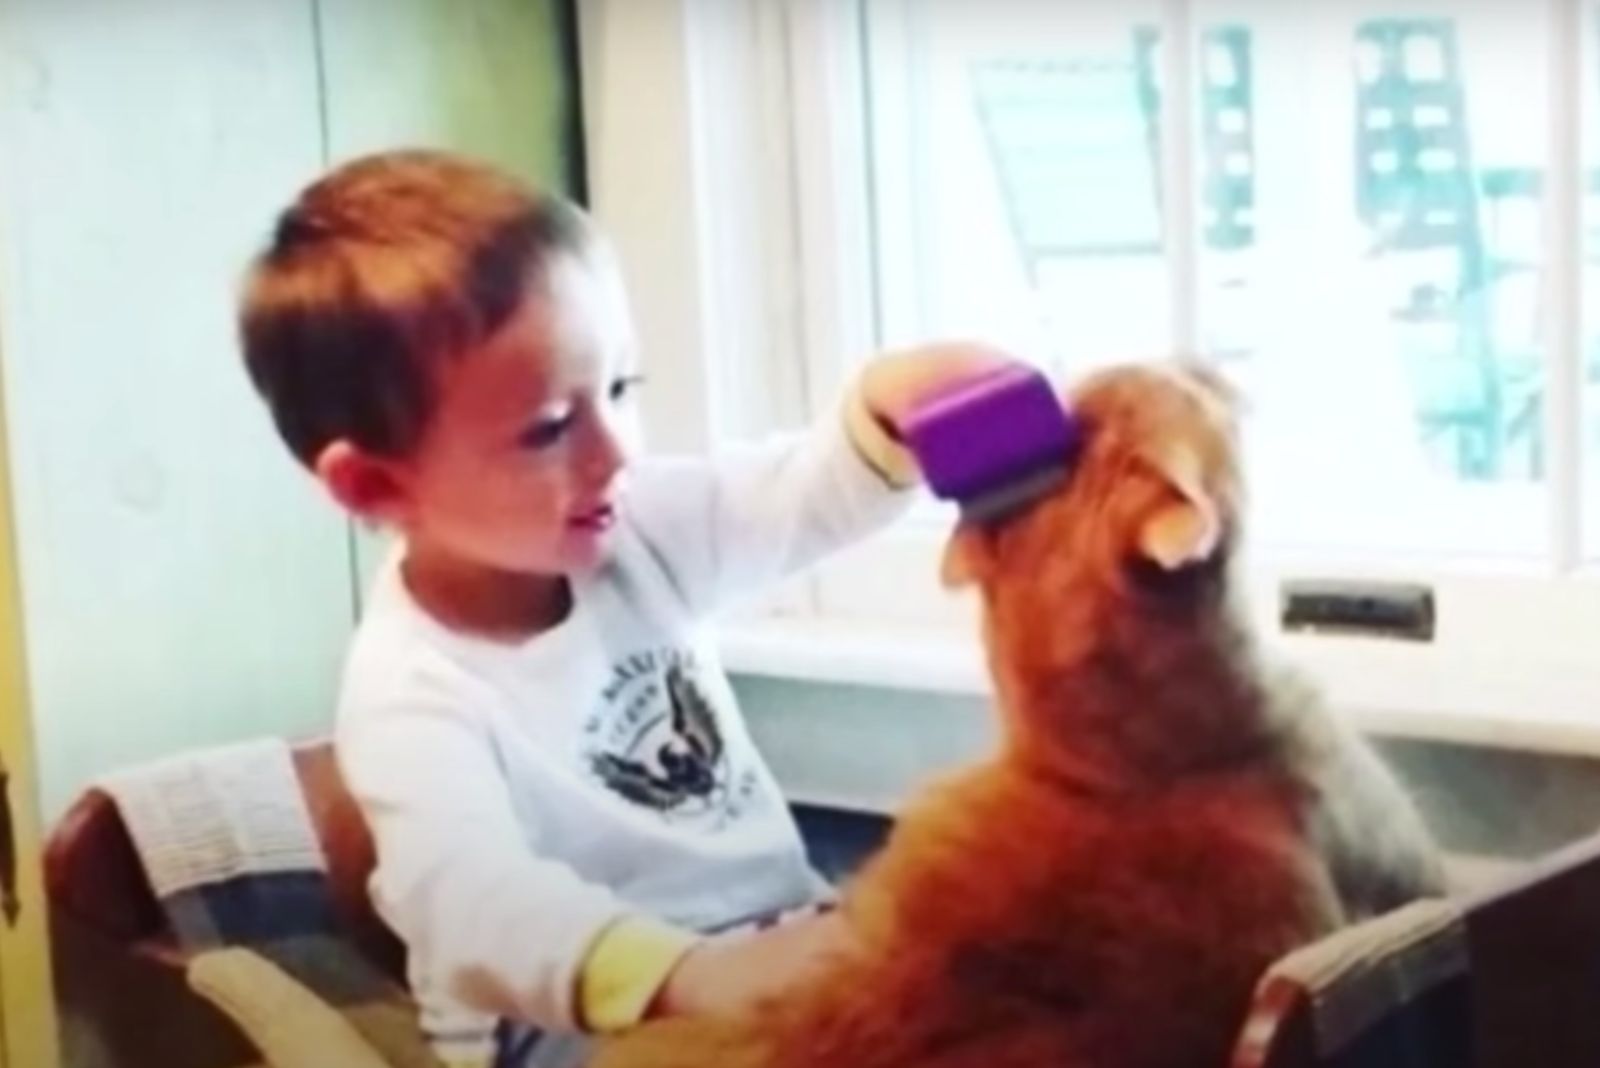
(1166, 816)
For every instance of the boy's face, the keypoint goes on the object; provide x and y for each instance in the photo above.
(518, 468)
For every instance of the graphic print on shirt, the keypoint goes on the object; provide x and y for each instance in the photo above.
(655, 740)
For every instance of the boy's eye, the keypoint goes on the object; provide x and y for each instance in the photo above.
(546, 431)
(623, 388)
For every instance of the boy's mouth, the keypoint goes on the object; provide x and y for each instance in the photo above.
(594, 520)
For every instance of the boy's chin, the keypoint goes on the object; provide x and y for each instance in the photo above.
(585, 551)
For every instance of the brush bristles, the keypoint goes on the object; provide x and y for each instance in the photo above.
(1002, 501)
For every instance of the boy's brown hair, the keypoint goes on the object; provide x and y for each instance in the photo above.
(376, 274)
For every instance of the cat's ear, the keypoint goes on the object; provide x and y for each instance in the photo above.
(968, 556)
(1185, 527)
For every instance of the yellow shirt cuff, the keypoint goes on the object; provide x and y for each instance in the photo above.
(881, 450)
(625, 967)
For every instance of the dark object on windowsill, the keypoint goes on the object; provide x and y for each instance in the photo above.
(1397, 610)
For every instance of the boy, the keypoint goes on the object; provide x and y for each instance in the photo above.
(534, 723)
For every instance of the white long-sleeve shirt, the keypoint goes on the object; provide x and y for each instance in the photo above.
(523, 797)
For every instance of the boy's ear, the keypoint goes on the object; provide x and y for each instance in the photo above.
(367, 486)
(1185, 528)
(968, 556)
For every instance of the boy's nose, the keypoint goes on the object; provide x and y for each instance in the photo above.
(605, 455)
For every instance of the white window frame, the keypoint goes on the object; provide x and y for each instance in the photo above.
(724, 164)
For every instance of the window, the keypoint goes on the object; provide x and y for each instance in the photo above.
(1016, 184)
(1367, 250)
(1367, 213)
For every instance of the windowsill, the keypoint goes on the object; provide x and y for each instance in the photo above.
(931, 659)
(938, 659)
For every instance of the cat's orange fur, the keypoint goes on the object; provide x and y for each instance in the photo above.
(1166, 814)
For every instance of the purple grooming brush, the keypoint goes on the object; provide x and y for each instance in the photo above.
(995, 443)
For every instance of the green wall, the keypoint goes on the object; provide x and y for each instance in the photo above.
(183, 582)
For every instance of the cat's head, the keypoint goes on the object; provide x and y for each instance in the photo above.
(1139, 534)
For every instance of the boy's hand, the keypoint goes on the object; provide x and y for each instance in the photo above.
(728, 973)
(893, 385)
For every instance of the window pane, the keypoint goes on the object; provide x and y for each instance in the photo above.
(1589, 92)
(1370, 265)
(1014, 175)
(1369, 229)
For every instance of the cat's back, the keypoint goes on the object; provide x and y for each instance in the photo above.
(1353, 809)
(1188, 898)
(1133, 929)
